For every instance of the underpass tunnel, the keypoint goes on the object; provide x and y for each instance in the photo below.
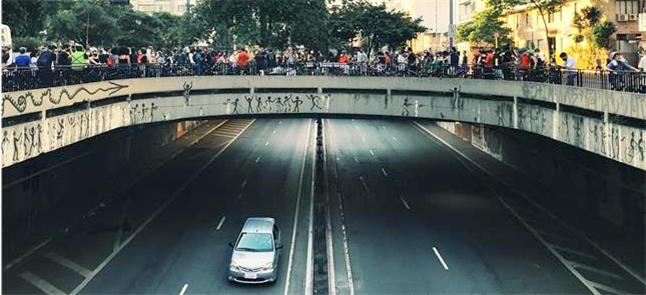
(366, 205)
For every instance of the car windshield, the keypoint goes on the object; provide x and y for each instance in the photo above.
(255, 242)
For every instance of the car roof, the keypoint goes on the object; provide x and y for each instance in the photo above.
(258, 225)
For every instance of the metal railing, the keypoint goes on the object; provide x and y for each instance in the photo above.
(16, 79)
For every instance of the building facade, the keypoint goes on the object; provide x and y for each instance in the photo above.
(528, 28)
(175, 7)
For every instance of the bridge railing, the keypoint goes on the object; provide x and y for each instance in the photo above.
(17, 79)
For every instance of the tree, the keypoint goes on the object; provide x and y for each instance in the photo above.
(484, 26)
(27, 18)
(375, 24)
(86, 22)
(139, 29)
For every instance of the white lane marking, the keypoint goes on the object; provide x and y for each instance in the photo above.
(552, 250)
(27, 254)
(41, 284)
(244, 183)
(257, 160)
(404, 202)
(309, 267)
(280, 122)
(69, 264)
(328, 230)
(346, 248)
(159, 210)
(383, 171)
(355, 159)
(594, 269)
(437, 253)
(364, 184)
(372, 153)
(267, 143)
(564, 249)
(363, 138)
(183, 289)
(46, 241)
(298, 201)
(274, 131)
(607, 288)
(395, 138)
(527, 198)
(221, 223)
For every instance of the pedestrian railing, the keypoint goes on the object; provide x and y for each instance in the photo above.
(15, 79)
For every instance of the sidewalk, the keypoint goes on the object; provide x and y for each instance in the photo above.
(107, 190)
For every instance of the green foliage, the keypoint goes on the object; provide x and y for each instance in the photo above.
(602, 32)
(26, 18)
(86, 22)
(31, 43)
(377, 25)
(484, 26)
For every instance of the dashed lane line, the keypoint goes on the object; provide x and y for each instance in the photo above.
(257, 160)
(221, 223)
(372, 152)
(404, 202)
(184, 288)
(244, 183)
(437, 253)
(384, 172)
(364, 184)
(41, 284)
(157, 212)
(69, 264)
(395, 138)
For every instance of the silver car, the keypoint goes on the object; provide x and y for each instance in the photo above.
(256, 252)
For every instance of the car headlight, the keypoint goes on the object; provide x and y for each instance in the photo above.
(268, 266)
(234, 265)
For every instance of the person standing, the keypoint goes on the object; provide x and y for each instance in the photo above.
(569, 64)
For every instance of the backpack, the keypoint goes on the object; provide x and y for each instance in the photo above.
(44, 60)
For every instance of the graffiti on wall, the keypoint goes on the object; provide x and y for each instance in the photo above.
(21, 102)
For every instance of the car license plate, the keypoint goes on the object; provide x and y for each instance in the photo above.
(250, 276)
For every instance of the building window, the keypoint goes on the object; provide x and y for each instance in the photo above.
(627, 7)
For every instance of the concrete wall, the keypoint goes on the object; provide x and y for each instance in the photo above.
(583, 185)
(35, 191)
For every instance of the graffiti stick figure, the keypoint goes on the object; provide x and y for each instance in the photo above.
(405, 110)
(249, 100)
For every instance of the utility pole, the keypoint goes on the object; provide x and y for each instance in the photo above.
(451, 22)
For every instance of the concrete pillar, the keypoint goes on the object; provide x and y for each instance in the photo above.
(252, 90)
(319, 90)
(556, 120)
(515, 113)
(607, 139)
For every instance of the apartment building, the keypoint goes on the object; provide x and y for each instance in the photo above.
(529, 30)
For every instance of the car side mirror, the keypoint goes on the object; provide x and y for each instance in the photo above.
(231, 244)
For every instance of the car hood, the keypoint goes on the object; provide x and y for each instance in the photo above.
(252, 259)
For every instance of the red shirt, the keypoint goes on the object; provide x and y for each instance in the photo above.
(489, 60)
(524, 61)
(343, 59)
(243, 58)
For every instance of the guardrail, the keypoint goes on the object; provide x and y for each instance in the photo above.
(17, 79)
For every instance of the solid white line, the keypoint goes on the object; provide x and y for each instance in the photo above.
(183, 289)
(372, 153)
(257, 160)
(550, 214)
(45, 242)
(28, 253)
(298, 201)
(346, 248)
(607, 288)
(328, 231)
(244, 183)
(561, 248)
(594, 269)
(383, 171)
(404, 202)
(221, 222)
(159, 210)
(552, 250)
(69, 264)
(309, 267)
(41, 284)
(437, 253)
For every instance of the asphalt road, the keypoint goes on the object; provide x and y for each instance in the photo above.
(407, 217)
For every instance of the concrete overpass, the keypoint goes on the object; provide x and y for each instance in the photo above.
(604, 122)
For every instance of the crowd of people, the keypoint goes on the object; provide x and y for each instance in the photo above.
(519, 64)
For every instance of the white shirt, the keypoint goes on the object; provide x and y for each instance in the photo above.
(570, 63)
(642, 63)
(362, 57)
